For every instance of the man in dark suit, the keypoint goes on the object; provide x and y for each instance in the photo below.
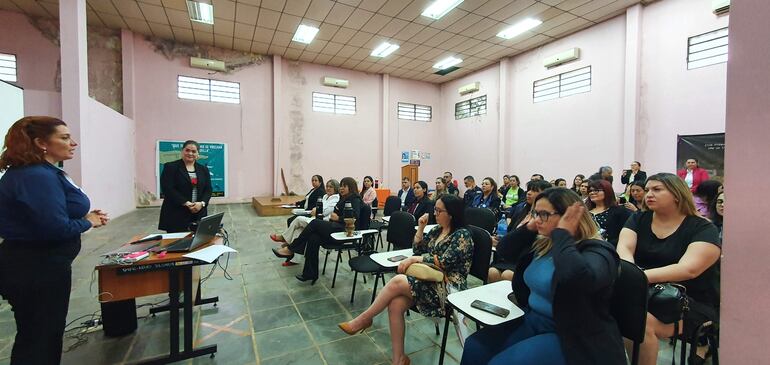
(451, 185)
(406, 194)
(635, 174)
(471, 190)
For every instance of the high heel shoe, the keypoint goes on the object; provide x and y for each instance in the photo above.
(345, 327)
(275, 238)
(304, 279)
(281, 255)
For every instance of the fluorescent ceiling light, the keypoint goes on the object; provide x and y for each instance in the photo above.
(200, 12)
(519, 28)
(439, 8)
(384, 49)
(447, 62)
(305, 34)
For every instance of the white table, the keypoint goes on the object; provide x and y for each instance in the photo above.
(341, 236)
(381, 258)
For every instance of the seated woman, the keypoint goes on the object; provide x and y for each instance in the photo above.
(450, 248)
(705, 195)
(635, 201)
(318, 231)
(330, 200)
(368, 194)
(687, 254)
(576, 183)
(605, 209)
(441, 189)
(488, 198)
(514, 194)
(583, 190)
(311, 198)
(564, 285)
(421, 203)
(560, 183)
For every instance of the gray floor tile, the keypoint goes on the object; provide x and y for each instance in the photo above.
(319, 308)
(325, 330)
(309, 356)
(282, 341)
(355, 350)
(275, 318)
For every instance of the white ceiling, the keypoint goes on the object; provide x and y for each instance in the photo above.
(350, 29)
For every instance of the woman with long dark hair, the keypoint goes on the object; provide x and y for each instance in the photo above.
(42, 214)
(449, 247)
(186, 187)
(605, 209)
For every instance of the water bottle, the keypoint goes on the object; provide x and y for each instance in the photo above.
(502, 226)
(347, 212)
(319, 209)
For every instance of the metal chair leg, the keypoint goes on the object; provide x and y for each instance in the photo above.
(374, 290)
(336, 265)
(323, 272)
(353, 292)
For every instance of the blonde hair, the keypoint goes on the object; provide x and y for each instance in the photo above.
(680, 191)
(561, 199)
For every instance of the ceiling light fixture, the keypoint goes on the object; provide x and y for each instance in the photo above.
(384, 49)
(447, 62)
(439, 8)
(519, 28)
(200, 12)
(305, 34)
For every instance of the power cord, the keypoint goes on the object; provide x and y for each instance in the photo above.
(78, 333)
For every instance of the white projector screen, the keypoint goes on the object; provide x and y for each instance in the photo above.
(11, 108)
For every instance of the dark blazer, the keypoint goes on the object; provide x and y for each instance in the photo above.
(356, 203)
(312, 197)
(470, 194)
(177, 189)
(492, 202)
(582, 288)
(616, 219)
(424, 206)
(409, 196)
(640, 176)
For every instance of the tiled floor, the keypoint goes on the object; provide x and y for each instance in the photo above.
(264, 316)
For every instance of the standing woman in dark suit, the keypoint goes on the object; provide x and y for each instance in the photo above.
(186, 185)
(42, 214)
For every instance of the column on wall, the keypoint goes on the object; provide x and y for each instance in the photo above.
(74, 74)
(503, 118)
(632, 82)
(277, 100)
(386, 130)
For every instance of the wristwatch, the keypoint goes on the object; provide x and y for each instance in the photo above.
(203, 204)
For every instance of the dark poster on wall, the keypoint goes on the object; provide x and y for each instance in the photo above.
(708, 149)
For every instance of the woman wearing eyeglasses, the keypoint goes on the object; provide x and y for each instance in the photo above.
(449, 247)
(564, 286)
(605, 209)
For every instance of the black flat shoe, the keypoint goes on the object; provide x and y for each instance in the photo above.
(304, 279)
(283, 256)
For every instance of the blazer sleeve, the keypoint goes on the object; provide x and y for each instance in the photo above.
(494, 203)
(641, 176)
(43, 198)
(594, 268)
(624, 178)
(206, 187)
(409, 197)
(167, 184)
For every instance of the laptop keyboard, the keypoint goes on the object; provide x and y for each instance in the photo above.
(181, 244)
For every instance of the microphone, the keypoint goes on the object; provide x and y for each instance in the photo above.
(148, 239)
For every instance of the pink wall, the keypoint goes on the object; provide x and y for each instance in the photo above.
(332, 145)
(575, 134)
(108, 158)
(407, 135)
(674, 100)
(745, 295)
(246, 128)
(470, 144)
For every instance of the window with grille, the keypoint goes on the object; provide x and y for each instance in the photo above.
(420, 113)
(8, 67)
(337, 104)
(471, 107)
(194, 88)
(562, 85)
(707, 49)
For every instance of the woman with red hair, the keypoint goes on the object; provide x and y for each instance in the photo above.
(42, 214)
(604, 207)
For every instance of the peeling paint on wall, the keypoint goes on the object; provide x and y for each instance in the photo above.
(234, 60)
(296, 81)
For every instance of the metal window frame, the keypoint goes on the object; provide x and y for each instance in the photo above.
(216, 91)
(577, 81)
(9, 62)
(333, 103)
(415, 112)
(470, 108)
(708, 49)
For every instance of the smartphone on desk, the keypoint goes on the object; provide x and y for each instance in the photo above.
(490, 308)
(396, 258)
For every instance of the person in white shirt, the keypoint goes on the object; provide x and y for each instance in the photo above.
(295, 228)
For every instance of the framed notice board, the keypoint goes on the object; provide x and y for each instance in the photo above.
(212, 155)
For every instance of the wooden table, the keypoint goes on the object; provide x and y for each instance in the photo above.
(268, 206)
(158, 275)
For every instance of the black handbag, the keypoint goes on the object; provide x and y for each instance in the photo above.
(668, 302)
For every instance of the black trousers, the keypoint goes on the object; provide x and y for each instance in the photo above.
(309, 241)
(39, 296)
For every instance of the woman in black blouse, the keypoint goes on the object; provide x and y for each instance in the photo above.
(672, 243)
(421, 203)
(186, 186)
(605, 209)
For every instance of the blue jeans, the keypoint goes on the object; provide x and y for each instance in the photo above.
(532, 340)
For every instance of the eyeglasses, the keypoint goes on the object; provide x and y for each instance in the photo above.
(543, 215)
(438, 210)
(595, 191)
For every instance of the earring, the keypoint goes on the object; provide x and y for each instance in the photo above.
(45, 150)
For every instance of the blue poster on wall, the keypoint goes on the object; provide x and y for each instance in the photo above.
(212, 155)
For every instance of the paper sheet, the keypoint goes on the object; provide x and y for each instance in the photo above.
(211, 253)
(168, 236)
(288, 206)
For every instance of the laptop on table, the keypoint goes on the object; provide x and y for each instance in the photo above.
(207, 228)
